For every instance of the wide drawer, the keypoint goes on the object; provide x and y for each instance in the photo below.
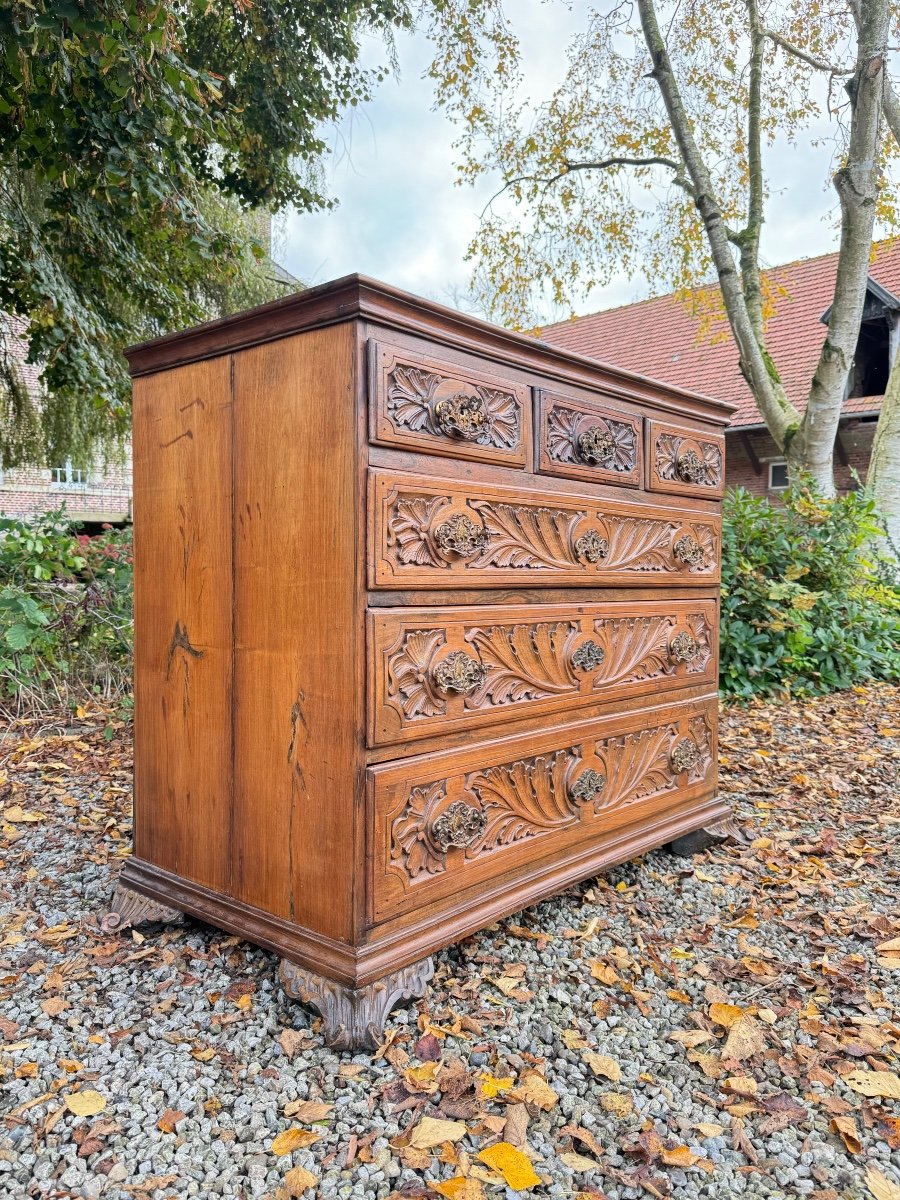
(583, 440)
(684, 462)
(437, 670)
(446, 534)
(444, 823)
(428, 403)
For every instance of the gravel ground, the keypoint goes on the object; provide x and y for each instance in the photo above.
(688, 1028)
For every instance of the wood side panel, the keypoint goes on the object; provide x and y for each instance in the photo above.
(427, 532)
(435, 671)
(183, 612)
(299, 712)
(446, 822)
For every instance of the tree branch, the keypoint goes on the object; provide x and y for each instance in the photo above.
(749, 243)
(810, 59)
(601, 164)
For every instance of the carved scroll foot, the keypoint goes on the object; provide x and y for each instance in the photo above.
(354, 1017)
(131, 908)
(714, 834)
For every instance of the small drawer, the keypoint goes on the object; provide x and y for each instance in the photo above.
(444, 823)
(427, 403)
(685, 462)
(582, 440)
(441, 533)
(434, 671)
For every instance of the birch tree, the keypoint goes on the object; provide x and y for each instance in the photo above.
(651, 156)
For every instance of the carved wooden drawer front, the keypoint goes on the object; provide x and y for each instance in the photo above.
(444, 823)
(430, 404)
(441, 533)
(438, 670)
(685, 461)
(583, 440)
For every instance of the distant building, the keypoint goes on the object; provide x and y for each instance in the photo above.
(92, 493)
(675, 340)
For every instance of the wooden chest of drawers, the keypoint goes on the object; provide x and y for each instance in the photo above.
(426, 629)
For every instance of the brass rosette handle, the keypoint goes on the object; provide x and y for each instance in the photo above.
(591, 547)
(459, 826)
(461, 416)
(589, 656)
(588, 786)
(459, 673)
(683, 647)
(596, 446)
(690, 467)
(460, 535)
(685, 755)
(688, 551)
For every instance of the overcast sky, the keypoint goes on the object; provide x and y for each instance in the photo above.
(402, 219)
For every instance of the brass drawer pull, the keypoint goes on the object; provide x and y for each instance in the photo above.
(588, 656)
(683, 647)
(458, 826)
(588, 785)
(459, 673)
(685, 755)
(592, 547)
(460, 535)
(690, 467)
(461, 416)
(689, 551)
(596, 446)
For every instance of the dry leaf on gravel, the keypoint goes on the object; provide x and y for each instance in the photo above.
(86, 1103)
(512, 1164)
(169, 1119)
(880, 1186)
(725, 1014)
(845, 1127)
(290, 1140)
(602, 1064)
(431, 1132)
(459, 1188)
(874, 1083)
(533, 1088)
(295, 1183)
(618, 1103)
(308, 1111)
(745, 1039)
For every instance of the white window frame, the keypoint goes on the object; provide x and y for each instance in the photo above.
(69, 478)
(777, 487)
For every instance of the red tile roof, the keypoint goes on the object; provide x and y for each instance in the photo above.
(688, 343)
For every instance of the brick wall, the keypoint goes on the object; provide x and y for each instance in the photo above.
(856, 436)
(27, 490)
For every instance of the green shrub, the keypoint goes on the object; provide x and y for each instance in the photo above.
(807, 604)
(65, 613)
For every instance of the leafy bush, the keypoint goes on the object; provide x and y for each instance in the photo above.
(807, 605)
(65, 613)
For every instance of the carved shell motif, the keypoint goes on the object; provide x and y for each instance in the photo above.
(408, 667)
(688, 460)
(427, 402)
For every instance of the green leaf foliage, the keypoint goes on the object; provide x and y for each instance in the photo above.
(808, 605)
(138, 140)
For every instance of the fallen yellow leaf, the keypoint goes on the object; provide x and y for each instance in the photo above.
(297, 1181)
(846, 1127)
(86, 1103)
(880, 1186)
(491, 1086)
(874, 1083)
(21, 815)
(602, 1064)
(745, 1039)
(431, 1132)
(725, 1014)
(513, 1165)
(459, 1188)
(290, 1140)
(618, 1103)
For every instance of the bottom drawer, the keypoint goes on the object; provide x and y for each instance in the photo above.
(443, 823)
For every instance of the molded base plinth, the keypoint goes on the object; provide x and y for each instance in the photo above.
(131, 908)
(714, 834)
(354, 1017)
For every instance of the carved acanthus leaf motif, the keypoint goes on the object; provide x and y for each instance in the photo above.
(408, 668)
(613, 446)
(634, 648)
(526, 662)
(637, 766)
(699, 630)
(524, 798)
(677, 460)
(411, 846)
(701, 734)
(525, 536)
(426, 401)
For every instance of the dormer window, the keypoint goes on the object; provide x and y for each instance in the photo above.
(877, 342)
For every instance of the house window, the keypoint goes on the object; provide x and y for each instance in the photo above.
(778, 476)
(871, 361)
(68, 476)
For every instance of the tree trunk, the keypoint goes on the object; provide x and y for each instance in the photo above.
(857, 184)
(883, 479)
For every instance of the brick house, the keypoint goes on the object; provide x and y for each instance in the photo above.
(688, 343)
(98, 492)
